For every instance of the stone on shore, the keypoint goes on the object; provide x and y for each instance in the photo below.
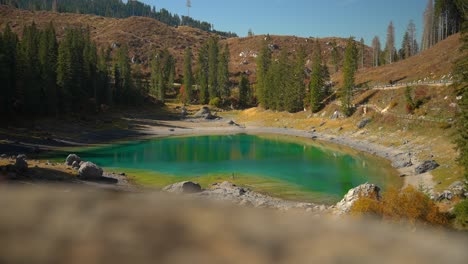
(426, 166)
(364, 190)
(183, 187)
(21, 165)
(71, 159)
(204, 112)
(90, 171)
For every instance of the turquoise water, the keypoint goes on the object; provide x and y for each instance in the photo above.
(291, 165)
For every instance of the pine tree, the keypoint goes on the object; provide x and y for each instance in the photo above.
(405, 51)
(188, 76)
(349, 70)
(376, 51)
(428, 33)
(263, 64)
(104, 94)
(8, 68)
(412, 38)
(335, 55)
(244, 88)
(390, 46)
(123, 77)
(296, 89)
(362, 52)
(202, 74)
(316, 80)
(48, 48)
(223, 72)
(213, 51)
(29, 70)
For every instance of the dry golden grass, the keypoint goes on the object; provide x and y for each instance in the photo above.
(397, 206)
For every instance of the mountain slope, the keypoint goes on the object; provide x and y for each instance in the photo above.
(432, 64)
(146, 35)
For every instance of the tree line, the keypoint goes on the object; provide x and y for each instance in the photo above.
(114, 8)
(442, 18)
(41, 76)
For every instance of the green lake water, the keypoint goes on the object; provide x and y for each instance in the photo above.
(286, 167)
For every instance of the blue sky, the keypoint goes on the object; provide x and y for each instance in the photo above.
(316, 18)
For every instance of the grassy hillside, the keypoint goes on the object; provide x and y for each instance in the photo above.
(432, 64)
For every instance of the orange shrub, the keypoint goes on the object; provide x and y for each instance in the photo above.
(406, 205)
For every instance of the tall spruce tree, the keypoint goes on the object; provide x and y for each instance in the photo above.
(188, 76)
(296, 87)
(376, 51)
(213, 50)
(244, 91)
(8, 69)
(263, 64)
(28, 70)
(104, 93)
(223, 72)
(48, 48)
(349, 70)
(202, 74)
(390, 46)
(316, 80)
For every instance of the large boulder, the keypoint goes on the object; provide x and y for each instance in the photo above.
(204, 112)
(20, 164)
(426, 166)
(364, 190)
(89, 171)
(71, 159)
(183, 187)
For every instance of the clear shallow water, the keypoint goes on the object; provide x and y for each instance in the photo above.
(287, 167)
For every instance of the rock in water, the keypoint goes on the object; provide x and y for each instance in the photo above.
(71, 159)
(20, 164)
(183, 187)
(426, 166)
(90, 171)
(364, 190)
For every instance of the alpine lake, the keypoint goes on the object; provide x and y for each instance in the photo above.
(281, 166)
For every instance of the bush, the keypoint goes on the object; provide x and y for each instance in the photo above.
(461, 215)
(396, 206)
(215, 102)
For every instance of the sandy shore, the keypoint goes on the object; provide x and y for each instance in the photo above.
(201, 127)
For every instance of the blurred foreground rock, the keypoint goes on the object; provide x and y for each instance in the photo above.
(83, 226)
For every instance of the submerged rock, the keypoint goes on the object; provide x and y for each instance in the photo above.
(426, 166)
(183, 187)
(364, 190)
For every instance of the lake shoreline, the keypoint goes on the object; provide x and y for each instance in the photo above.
(390, 154)
(154, 127)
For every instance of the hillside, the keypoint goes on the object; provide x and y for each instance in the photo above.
(142, 35)
(432, 64)
(145, 35)
(245, 50)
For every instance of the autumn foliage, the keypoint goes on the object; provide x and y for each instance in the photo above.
(408, 204)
